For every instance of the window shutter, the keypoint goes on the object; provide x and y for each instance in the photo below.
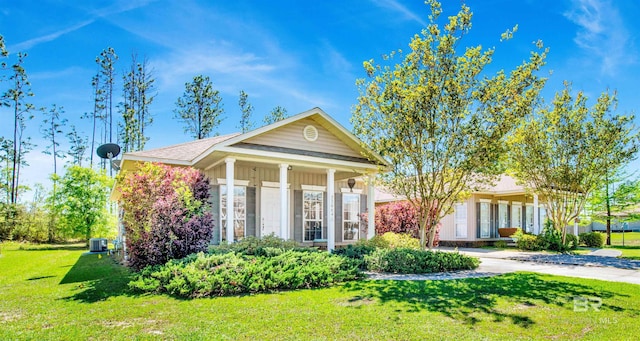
(297, 216)
(214, 195)
(478, 220)
(363, 209)
(325, 215)
(251, 211)
(509, 217)
(338, 217)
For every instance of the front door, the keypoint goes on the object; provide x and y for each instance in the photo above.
(270, 211)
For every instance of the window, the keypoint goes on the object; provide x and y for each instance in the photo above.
(485, 220)
(503, 215)
(461, 220)
(350, 216)
(312, 215)
(516, 214)
(528, 218)
(239, 214)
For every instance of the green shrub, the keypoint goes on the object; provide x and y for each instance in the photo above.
(231, 273)
(393, 240)
(571, 241)
(403, 260)
(357, 252)
(254, 246)
(500, 244)
(593, 239)
(527, 242)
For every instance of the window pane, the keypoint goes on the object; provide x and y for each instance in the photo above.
(312, 215)
(484, 220)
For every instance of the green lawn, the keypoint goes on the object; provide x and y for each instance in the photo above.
(61, 294)
(630, 238)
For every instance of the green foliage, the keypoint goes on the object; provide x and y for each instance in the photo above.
(528, 242)
(82, 202)
(500, 244)
(357, 252)
(593, 239)
(411, 261)
(254, 246)
(200, 107)
(567, 149)
(247, 109)
(277, 114)
(203, 275)
(394, 240)
(138, 87)
(439, 118)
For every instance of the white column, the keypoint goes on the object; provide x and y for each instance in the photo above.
(284, 202)
(331, 213)
(371, 208)
(536, 215)
(575, 227)
(230, 199)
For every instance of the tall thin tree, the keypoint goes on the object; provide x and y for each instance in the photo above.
(51, 130)
(16, 98)
(200, 107)
(138, 85)
(106, 61)
(247, 109)
(77, 146)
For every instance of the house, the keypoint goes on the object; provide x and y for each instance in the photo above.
(475, 221)
(304, 178)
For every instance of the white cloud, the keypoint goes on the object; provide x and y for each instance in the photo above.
(602, 34)
(398, 7)
(25, 45)
(118, 7)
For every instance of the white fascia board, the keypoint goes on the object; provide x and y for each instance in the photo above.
(155, 159)
(298, 160)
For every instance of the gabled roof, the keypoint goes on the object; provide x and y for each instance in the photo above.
(190, 153)
(186, 152)
(320, 116)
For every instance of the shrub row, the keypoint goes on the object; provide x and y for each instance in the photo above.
(593, 239)
(549, 239)
(231, 273)
(254, 246)
(403, 260)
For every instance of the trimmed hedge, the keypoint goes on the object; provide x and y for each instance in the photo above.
(593, 239)
(410, 261)
(254, 246)
(231, 273)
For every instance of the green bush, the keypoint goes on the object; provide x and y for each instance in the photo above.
(357, 252)
(231, 273)
(527, 242)
(593, 239)
(254, 246)
(403, 260)
(393, 240)
(500, 244)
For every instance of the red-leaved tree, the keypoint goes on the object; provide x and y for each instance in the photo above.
(399, 217)
(166, 213)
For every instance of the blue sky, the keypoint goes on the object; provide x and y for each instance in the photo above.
(295, 54)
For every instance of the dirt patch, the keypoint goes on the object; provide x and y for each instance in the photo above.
(9, 317)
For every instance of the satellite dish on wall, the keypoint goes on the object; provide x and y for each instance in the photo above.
(108, 150)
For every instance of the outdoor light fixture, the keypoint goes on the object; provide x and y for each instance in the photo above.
(351, 183)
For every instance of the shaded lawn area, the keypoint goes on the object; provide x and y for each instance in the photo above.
(62, 294)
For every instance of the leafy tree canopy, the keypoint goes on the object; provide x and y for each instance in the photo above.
(438, 118)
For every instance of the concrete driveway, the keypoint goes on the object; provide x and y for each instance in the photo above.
(495, 262)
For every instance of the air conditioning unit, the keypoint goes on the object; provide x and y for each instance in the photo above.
(98, 244)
